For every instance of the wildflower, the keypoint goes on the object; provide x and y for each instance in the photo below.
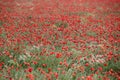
(30, 76)
(89, 78)
(80, 68)
(58, 69)
(83, 77)
(51, 53)
(105, 64)
(44, 65)
(56, 75)
(65, 48)
(49, 69)
(87, 64)
(100, 68)
(1, 65)
(30, 69)
(58, 55)
(92, 69)
(7, 53)
(11, 79)
(61, 63)
(35, 62)
(74, 74)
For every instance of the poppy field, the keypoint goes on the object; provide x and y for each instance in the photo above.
(59, 39)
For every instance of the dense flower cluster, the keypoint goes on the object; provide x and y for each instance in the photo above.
(59, 39)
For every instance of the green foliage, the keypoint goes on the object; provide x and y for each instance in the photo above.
(1, 23)
(60, 24)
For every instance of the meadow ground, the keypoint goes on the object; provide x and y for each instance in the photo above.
(59, 40)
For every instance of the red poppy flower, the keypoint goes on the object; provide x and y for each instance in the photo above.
(58, 55)
(30, 69)
(30, 76)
